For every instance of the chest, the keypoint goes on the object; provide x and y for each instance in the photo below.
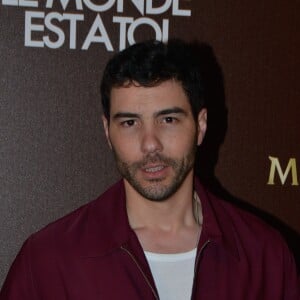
(123, 275)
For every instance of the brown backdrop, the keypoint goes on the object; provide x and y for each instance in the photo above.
(53, 154)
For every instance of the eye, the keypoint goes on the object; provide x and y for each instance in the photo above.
(170, 120)
(128, 123)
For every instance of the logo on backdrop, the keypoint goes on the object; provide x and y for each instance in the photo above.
(40, 25)
(282, 176)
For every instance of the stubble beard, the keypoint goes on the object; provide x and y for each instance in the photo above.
(156, 189)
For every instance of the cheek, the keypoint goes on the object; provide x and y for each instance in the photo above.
(181, 143)
(124, 149)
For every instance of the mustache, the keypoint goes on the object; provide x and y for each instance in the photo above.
(153, 159)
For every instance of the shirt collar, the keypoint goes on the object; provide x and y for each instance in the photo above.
(107, 227)
(217, 225)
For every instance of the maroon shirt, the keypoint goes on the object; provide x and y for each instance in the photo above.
(93, 254)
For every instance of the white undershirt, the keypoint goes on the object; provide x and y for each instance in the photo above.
(173, 274)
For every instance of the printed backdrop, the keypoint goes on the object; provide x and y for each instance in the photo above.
(53, 154)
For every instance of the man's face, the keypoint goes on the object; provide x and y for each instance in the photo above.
(154, 137)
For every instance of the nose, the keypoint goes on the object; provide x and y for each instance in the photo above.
(150, 141)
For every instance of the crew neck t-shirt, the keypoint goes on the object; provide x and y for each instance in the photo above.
(173, 274)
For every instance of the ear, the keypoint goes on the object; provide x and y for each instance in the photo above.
(202, 125)
(106, 129)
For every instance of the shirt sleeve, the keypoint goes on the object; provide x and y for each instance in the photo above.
(19, 281)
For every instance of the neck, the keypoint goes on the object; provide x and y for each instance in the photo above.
(169, 215)
(168, 226)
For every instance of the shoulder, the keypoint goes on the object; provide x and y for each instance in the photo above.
(61, 245)
(254, 239)
(244, 232)
(65, 234)
(248, 227)
(263, 249)
(260, 253)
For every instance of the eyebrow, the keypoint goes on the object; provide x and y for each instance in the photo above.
(172, 110)
(167, 111)
(125, 115)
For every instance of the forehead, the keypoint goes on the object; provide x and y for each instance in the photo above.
(139, 99)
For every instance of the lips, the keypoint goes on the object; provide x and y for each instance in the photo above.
(153, 169)
(155, 172)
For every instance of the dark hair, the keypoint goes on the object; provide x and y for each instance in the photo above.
(151, 62)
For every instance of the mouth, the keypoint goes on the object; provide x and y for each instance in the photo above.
(155, 171)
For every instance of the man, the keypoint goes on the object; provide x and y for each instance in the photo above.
(156, 234)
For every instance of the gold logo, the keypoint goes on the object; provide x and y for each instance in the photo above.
(276, 168)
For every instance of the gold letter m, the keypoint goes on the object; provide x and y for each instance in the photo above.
(275, 165)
